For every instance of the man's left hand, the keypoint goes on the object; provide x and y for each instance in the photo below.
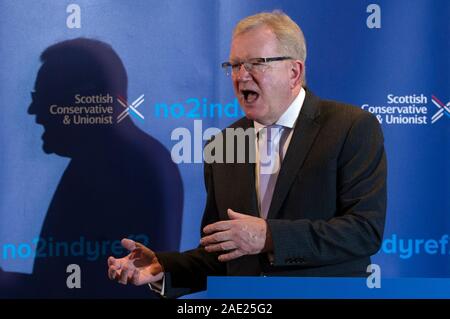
(239, 236)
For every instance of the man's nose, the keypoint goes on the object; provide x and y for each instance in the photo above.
(32, 108)
(243, 74)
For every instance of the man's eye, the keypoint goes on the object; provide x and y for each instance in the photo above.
(258, 65)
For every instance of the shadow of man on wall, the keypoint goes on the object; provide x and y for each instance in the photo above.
(120, 182)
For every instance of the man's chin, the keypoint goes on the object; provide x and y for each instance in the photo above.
(56, 148)
(250, 112)
(50, 149)
(256, 116)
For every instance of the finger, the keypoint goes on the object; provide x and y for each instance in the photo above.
(219, 226)
(128, 244)
(139, 245)
(111, 261)
(235, 215)
(117, 262)
(216, 238)
(227, 245)
(123, 278)
(231, 255)
(135, 277)
(113, 273)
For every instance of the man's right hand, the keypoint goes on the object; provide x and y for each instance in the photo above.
(139, 267)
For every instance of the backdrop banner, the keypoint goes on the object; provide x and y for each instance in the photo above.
(107, 104)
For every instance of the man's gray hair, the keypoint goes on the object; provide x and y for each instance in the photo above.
(290, 36)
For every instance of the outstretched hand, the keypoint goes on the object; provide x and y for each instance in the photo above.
(139, 267)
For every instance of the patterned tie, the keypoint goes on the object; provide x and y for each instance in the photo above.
(270, 143)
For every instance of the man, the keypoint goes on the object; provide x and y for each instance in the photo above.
(321, 214)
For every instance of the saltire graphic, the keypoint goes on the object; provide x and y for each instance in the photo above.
(130, 108)
(443, 109)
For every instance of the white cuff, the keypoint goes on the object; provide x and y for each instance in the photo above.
(158, 286)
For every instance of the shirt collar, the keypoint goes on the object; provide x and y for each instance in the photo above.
(289, 117)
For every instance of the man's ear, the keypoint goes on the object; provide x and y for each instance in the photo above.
(296, 71)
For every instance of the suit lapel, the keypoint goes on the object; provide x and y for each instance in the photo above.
(245, 174)
(305, 132)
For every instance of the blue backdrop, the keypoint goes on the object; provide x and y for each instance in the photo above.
(391, 59)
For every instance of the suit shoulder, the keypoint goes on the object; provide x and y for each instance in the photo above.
(343, 112)
(243, 122)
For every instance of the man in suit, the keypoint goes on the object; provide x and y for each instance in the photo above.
(315, 208)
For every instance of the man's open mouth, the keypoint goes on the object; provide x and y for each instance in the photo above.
(249, 95)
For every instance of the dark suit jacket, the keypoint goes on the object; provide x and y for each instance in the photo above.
(328, 208)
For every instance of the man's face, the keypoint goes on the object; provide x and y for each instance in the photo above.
(263, 94)
(50, 90)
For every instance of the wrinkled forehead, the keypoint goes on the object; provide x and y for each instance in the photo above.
(255, 43)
